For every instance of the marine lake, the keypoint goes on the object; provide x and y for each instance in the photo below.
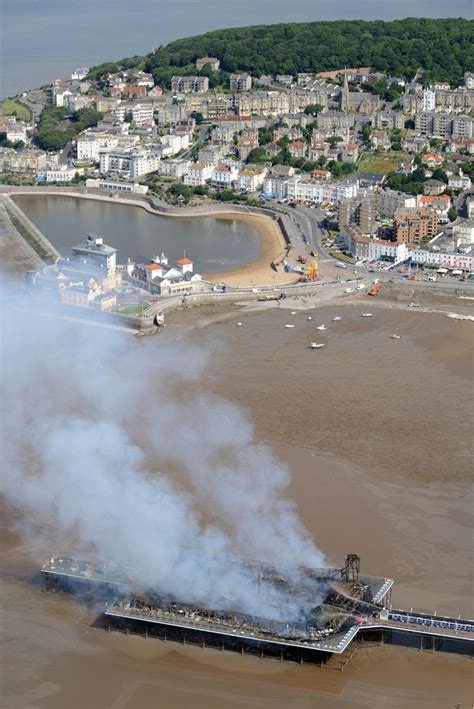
(214, 244)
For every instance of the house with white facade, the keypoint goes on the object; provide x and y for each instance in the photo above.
(250, 180)
(224, 176)
(172, 143)
(161, 278)
(174, 168)
(60, 174)
(302, 189)
(198, 174)
(460, 182)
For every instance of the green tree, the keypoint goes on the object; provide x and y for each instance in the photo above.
(201, 191)
(440, 175)
(178, 189)
(257, 155)
(314, 109)
(265, 136)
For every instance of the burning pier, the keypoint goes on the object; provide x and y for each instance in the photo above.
(333, 603)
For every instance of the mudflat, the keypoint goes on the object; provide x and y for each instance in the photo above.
(377, 434)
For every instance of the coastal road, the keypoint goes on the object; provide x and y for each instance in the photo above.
(306, 221)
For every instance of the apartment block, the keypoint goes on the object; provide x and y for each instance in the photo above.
(189, 84)
(412, 226)
(240, 82)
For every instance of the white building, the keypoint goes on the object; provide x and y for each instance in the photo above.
(172, 143)
(159, 277)
(198, 174)
(79, 74)
(428, 100)
(141, 112)
(305, 190)
(224, 176)
(368, 249)
(275, 186)
(61, 95)
(88, 148)
(128, 163)
(173, 168)
(459, 182)
(63, 174)
(95, 252)
(116, 186)
(440, 259)
(250, 180)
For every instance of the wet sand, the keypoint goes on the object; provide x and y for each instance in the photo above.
(378, 437)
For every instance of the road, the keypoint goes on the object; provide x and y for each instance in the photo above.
(306, 222)
(202, 138)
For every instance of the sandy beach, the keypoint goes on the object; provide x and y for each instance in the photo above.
(376, 433)
(259, 272)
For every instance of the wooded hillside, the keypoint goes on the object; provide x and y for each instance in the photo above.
(443, 47)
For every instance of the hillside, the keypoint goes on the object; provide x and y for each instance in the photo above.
(443, 47)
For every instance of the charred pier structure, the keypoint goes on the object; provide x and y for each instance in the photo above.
(346, 607)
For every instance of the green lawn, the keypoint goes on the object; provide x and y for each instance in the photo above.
(134, 309)
(11, 107)
(383, 163)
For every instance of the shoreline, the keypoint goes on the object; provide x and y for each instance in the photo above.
(255, 273)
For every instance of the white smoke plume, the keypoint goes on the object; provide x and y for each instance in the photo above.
(107, 446)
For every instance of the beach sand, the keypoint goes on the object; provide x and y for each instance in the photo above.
(377, 435)
(259, 272)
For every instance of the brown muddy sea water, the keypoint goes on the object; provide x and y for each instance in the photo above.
(378, 436)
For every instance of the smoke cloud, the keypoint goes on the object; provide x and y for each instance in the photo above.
(110, 448)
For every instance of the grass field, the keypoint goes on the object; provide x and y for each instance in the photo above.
(134, 309)
(11, 107)
(384, 163)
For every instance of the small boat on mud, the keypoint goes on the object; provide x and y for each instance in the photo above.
(367, 315)
(321, 327)
(316, 345)
(289, 325)
(395, 337)
(337, 318)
